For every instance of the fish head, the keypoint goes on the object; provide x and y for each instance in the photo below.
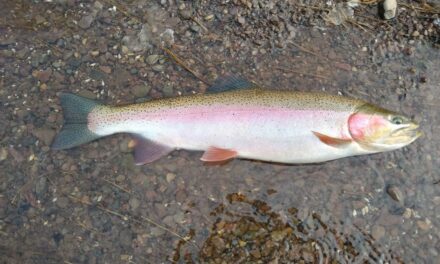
(376, 129)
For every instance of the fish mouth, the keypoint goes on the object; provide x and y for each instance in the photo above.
(407, 133)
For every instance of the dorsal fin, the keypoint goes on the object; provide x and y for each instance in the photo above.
(230, 82)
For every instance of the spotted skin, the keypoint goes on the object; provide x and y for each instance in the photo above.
(252, 123)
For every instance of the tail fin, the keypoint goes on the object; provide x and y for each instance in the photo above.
(75, 131)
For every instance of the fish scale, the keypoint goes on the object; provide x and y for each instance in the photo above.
(239, 119)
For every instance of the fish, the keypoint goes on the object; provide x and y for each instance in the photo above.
(237, 118)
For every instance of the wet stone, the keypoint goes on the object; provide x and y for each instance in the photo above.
(125, 238)
(134, 203)
(395, 193)
(3, 154)
(186, 13)
(424, 224)
(170, 177)
(141, 90)
(62, 202)
(86, 21)
(43, 76)
(45, 135)
(41, 187)
(218, 243)
(156, 231)
(168, 90)
(158, 68)
(377, 232)
(152, 59)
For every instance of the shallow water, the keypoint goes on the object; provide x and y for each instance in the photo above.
(92, 204)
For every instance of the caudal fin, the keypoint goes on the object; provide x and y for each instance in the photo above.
(75, 130)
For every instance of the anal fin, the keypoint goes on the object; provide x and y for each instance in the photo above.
(147, 151)
(214, 154)
(332, 141)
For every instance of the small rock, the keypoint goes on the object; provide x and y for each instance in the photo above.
(156, 231)
(415, 34)
(387, 9)
(141, 90)
(62, 202)
(241, 20)
(167, 90)
(3, 154)
(41, 187)
(209, 17)
(255, 253)
(106, 69)
(134, 203)
(158, 68)
(86, 21)
(125, 238)
(278, 235)
(218, 243)
(42, 76)
(45, 135)
(195, 28)
(424, 224)
(39, 19)
(395, 193)
(377, 232)
(407, 213)
(94, 53)
(120, 178)
(170, 177)
(186, 13)
(436, 199)
(152, 59)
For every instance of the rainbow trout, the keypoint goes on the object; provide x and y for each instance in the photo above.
(239, 119)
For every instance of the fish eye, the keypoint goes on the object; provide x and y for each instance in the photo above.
(397, 120)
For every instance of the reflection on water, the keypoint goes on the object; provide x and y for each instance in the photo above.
(249, 230)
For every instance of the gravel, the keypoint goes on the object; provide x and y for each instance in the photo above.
(92, 204)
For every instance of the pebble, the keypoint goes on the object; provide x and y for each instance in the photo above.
(377, 232)
(45, 135)
(41, 187)
(94, 53)
(62, 202)
(424, 224)
(3, 154)
(42, 76)
(209, 17)
(436, 199)
(168, 90)
(156, 231)
(218, 243)
(415, 34)
(134, 203)
(106, 69)
(170, 177)
(86, 21)
(125, 238)
(387, 9)
(186, 13)
(395, 193)
(195, 28)
(141, 90)
(158, 68)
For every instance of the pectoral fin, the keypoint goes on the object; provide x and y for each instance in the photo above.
(332, 141)
(147, 151)
(214, 154)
